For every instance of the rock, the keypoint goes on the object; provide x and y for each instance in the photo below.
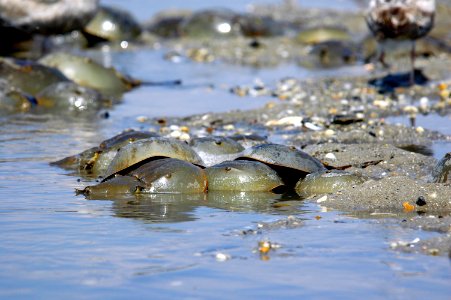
(46, 17)
(19, 20)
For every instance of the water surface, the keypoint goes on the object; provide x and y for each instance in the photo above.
(55, 244)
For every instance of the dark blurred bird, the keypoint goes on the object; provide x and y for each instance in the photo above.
(400, 20)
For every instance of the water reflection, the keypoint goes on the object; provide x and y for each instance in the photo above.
(171, 208)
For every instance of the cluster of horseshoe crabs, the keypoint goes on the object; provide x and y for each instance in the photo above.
(61, 82)
(137, 162)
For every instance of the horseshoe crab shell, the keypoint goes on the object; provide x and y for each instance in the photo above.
(95, 161)
(214, 23)
(317, 35)
(113, 24)
(117, 186)
(12, 100)
(148, 149)
(216, 149)
(69, 96)
(30, 77)
(126, 137)
(289, 162)
(249, 140)
(170, 175)
(87, 72)
(244, 176)
(325, 183)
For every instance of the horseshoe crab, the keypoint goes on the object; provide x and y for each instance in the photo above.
(330, 54)
(95, 161)
(133, 155)
(112, 24)
(259, 26)
(126, 137)
(69, 96)
(167, 175)
(108, 149)
(211, 23)
(249, 140)
(244, 176)
(117, 186)
(215, 149)
(12, 100)
(30, 77)
(322, 34)
(289, 162)
(325, 183)
(170, 175)
(87, 72)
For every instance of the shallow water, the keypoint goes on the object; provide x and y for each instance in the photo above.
(434, 122)
(59, 245)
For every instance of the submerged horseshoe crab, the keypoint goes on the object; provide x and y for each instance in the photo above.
(170, 175)
(290, 163)
(117, 186)
(245, 176)
(166, 175)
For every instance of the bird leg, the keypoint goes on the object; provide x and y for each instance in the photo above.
(412, 62)
(381, 58)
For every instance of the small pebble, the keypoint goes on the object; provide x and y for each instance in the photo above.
(142, 119)
(329, 132)
(330, 156)
(175, 134)
(185, 137)
(322, 199)
(229, 127)
(421, 201)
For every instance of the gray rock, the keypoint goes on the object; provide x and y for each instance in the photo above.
(45, 16)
